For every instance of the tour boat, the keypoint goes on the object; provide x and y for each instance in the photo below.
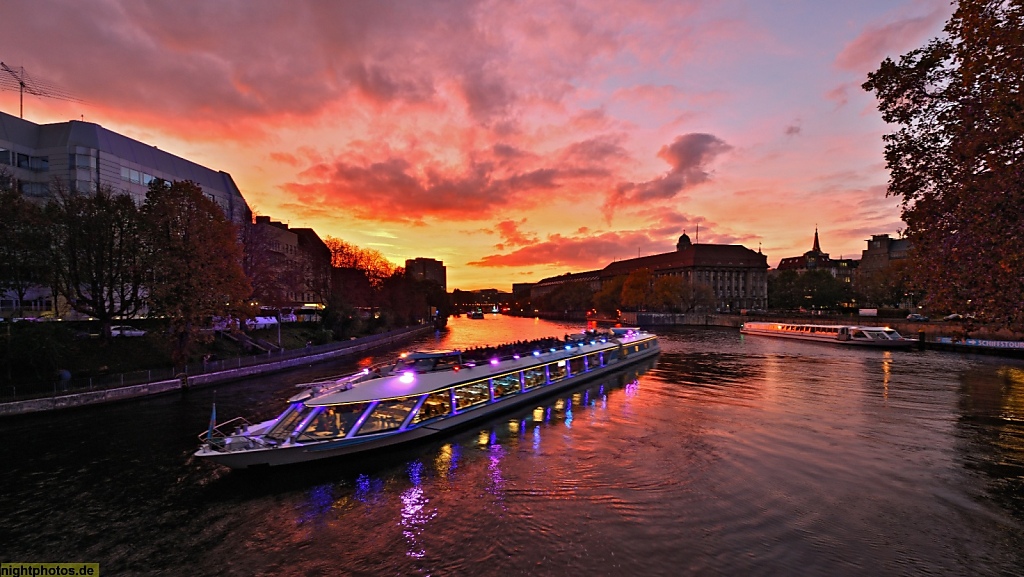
(882, 337)
(422, 394)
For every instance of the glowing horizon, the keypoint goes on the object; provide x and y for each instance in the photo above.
(513, 141)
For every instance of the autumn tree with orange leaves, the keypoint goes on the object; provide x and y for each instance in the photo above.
(956, 159)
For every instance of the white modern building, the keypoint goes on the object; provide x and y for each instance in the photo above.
(86, 156)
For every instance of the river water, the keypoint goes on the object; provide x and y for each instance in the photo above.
(728, 455)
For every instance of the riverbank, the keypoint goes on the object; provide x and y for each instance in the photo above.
(271, 364)
(941, 336)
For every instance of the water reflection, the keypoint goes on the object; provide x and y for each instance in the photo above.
(992, 428)
(415, 514)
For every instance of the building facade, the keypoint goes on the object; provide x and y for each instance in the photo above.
(301, 258)
(842, 269)
(736, 275)
(883, 249)
(427, 269)
(85, 156)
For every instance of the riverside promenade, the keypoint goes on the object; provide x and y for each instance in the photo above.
(219, 373)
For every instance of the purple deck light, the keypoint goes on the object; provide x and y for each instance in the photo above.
(407, 377)
(494, 362)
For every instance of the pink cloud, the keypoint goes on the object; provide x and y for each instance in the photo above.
(577, 253)
(867, 50)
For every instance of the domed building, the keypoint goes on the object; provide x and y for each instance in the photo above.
(736, 275)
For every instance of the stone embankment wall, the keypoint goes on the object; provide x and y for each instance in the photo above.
(186, 382)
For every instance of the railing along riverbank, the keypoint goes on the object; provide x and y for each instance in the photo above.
(81, 392)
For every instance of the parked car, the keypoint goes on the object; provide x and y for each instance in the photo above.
(953, 317)
(126, 331)
(914, 317)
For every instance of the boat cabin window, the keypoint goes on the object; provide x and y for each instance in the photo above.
(437, 405)
(593, 361)
(287, 422)
(387, 415)
(576, 365)
(334, 421)
(534, 377)
(859, 335)
(557, 371)
(472, 394)
(506, 385)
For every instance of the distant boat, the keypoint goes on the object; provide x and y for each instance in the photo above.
(881, 337)
(476, 315)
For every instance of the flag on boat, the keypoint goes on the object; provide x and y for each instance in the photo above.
(213, 422)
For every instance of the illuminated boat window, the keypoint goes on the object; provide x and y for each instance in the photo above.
(506, 385)
(534, 377)
(437, 404)
(472, 394)
(333, 422)
(387, 415)
(557, 371)
(287, 422)
(593, 361)
(576, 365)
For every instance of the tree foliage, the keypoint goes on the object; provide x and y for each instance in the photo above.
(956, 158)
(97, 259)
(195, 258)
(608, 300)
(816, 289)
(638, 289)
(24, 246)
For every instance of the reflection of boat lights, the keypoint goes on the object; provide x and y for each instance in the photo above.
(536, 437)
(538, 414)
(513, 426)
(407, 377)
(559, 404)
(568, 419)
(483, 438)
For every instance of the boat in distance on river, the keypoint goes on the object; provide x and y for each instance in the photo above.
(420, 395)
(880, 337)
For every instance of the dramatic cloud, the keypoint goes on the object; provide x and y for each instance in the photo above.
(688, 156)
(461, 129)
(575, 253)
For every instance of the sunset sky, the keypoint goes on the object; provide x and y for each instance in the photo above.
(512, 140)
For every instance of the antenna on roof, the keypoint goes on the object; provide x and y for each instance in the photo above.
(20, 80)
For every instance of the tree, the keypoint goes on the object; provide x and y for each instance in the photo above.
(24, 246)
(695, 296)
(97, 259)
(196, 260)
(887, 287)
(608, 300)
(638, 289)
(956, 158)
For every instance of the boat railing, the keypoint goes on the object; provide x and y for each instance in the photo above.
(217, 433)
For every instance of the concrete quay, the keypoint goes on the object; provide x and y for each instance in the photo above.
(186, 382)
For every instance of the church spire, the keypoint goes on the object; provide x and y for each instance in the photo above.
(817, 247)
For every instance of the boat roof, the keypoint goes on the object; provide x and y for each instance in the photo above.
(409, 383)
(861, 327)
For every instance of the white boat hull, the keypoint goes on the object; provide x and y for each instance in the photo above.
(287, 454)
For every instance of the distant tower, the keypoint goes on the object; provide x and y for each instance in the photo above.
(684, 242)
(817, 247)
